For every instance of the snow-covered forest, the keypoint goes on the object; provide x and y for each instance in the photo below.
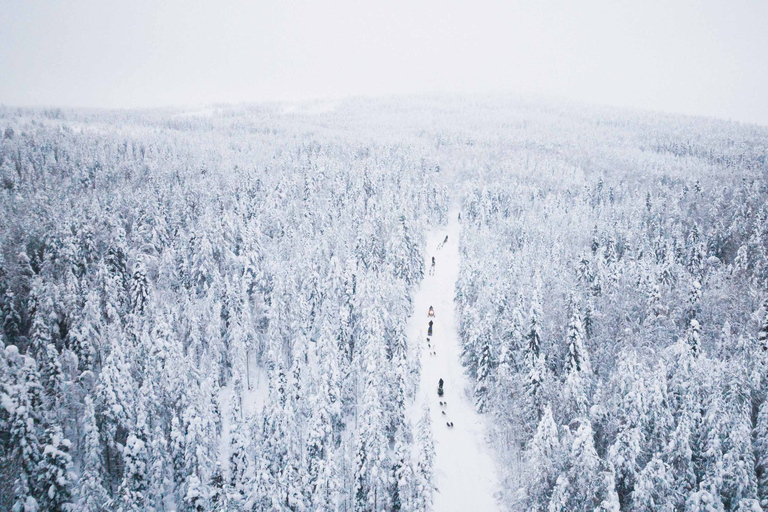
(208, 310)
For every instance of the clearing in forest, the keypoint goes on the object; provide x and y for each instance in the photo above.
(465, 473)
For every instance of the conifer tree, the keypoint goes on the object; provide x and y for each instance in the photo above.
(626, 452)
(91, 494)
(55, 472)
(482, 384)
(578, 369)
(652, 491)
(544, 455)
(534, 361)
(24, 403)
(133, 490)
(425, 465)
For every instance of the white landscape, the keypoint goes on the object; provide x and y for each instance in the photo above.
(405, 256)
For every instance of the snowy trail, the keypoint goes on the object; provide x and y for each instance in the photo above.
(465, 474)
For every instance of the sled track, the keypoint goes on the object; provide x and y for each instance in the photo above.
(465, 472)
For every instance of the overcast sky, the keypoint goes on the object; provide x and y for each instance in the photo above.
(703, 57)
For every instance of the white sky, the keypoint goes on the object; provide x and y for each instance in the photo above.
(702, 57)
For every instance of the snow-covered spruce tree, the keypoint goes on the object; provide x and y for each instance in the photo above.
(293, 474)
(55, 472)
(23, 401)
(761, 452)
(708, 466)
(652, 491)
(762, 333)
(158, 472)
(680, 452)
(544, 459)
(133, 493)
(626, 454)
(578, 371)
(239, 460)
(47, 357)
(114, 401)
(425, 487)
(402, 482)
(485, 366)
(194, 490)
(91, 495)
(534, 362)
(586, 482)
(371, 456)
(659, 422)
(739, 472)
(177, 447)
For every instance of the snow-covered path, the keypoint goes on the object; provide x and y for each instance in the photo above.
(465, 474)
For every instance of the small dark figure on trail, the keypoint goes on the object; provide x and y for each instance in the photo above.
(446, 240)
(443, 412)
(441, 244)
(440, 387)
(450, 424)
(429, 331)
(459, 216)
(432, 268)
(431, 311)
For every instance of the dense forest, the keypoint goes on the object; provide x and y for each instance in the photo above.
(613, 299)
(206, 310)
(207, 314)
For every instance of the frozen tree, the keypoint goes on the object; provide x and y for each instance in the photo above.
(22, 402)
(239, 461)
(534, 360)
(55, 473)
(652, 492)
(402, 488)
(544, 456)
(133, 490)
(587, 482)
(371, 455)
(91, 494)
(484, 369)
(578, 369)
(739, 472)
(626, 452)
(425, 487)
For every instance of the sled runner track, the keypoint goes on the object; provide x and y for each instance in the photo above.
(465, 472)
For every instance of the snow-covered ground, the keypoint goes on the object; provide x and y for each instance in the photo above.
(465, 474)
